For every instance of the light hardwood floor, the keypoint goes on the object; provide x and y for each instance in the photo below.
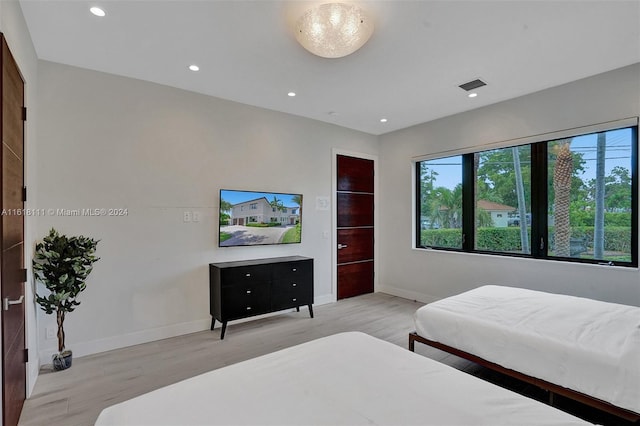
(76, 396)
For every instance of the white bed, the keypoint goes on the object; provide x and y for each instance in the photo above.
(344, 379)
(588, 346)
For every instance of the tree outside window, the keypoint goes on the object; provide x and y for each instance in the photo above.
(582, 207)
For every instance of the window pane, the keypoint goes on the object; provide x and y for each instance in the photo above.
(503, 197)
(590, 197)
(440, 186)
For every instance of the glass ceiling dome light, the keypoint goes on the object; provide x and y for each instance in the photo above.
(334, 30)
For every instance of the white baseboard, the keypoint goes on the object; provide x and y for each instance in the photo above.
(33, 369)
(406, 294)
(323, 300)
(130, 339)
(150, 335)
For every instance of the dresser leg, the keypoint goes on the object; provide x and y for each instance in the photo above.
(213, 322)
(310, 311)
(297, 308)
(224, 328)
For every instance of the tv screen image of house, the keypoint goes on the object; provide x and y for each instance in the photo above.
(250, 218)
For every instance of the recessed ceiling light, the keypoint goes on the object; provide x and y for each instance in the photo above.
(383, 120)
(194, 67)
(97, 11)
(291, 94)
(472, 95)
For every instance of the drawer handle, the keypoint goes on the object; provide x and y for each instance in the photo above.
(294, 285)
(294, 269)
(248, 291)
(248, 308)
(247, 275)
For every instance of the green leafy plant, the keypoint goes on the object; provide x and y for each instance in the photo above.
(63, 264)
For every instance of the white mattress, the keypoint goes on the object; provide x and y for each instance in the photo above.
(589, 346)
(345, 379)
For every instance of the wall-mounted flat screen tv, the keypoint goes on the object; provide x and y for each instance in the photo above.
(249, 218)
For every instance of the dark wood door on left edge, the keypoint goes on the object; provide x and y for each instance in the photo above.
(12, 276)
(355, 223)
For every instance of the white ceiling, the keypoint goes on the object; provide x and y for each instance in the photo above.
(408, 72)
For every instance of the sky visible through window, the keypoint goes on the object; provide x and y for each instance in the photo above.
(618, 154)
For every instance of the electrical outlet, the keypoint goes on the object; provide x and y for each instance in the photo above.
(186, 216)
(51, 332)
(196, 216)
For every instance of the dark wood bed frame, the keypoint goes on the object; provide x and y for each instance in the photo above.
(553, 389)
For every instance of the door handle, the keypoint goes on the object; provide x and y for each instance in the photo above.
(341, 246)
(6, 302)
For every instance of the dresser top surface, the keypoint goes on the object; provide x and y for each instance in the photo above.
(252, 262)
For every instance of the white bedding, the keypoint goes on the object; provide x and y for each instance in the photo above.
(589, 346)
(344, 379)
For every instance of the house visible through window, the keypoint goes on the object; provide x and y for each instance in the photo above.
(502, 185)
(572, 199)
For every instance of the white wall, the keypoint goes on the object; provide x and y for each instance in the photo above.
(428, 275)
(114, 142)
(14, 28)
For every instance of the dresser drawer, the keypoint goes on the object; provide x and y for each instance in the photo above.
(286, 301)
(244, 274)
(292, 288)
(245, 300)
(294, 271)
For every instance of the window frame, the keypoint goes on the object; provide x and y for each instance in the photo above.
(539, 197)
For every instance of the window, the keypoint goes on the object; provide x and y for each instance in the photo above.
(590, 196)
(440, 202)
(573, 199)
(503, 184)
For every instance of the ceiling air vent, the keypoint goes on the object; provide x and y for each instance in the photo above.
(472, 85)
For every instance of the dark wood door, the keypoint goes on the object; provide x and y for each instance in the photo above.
(12, 274)
(355, 192)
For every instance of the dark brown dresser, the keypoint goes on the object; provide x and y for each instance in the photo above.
(252, 287)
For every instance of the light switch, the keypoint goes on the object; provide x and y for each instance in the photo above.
(322, 203)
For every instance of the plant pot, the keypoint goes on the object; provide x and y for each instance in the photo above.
(62, 361)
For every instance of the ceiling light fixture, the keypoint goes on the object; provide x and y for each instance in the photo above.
(472, 95)
(97, 11)
(383, 120)
(334, 30)
(291, 94)
(194, 67)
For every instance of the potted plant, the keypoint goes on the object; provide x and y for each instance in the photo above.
(62, 264)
